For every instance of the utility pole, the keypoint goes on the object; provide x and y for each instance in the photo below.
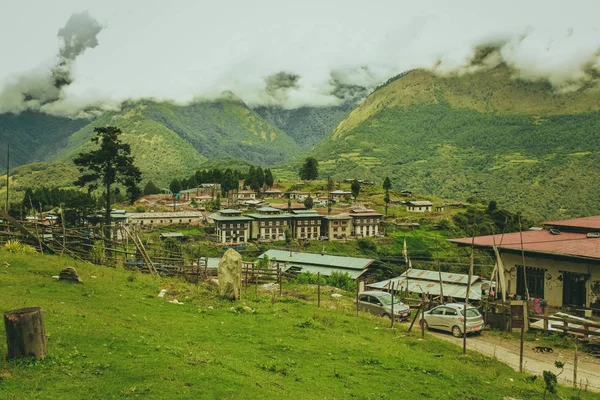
(7, 170)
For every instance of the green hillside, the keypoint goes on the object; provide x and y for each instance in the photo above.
(34, 136)
(306, 125)
(113, 337)
(483, 135)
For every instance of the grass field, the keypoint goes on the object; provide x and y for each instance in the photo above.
(112, 337)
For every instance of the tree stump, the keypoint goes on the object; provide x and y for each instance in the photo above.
(25, 333)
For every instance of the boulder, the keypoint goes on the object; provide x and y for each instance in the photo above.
(230, 275)
(69, 274)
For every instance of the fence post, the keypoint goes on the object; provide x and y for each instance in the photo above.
(575, 368)
(565, 326)
(422, 310)
(318, 289)
(279, 275)
(392, 316)
(546, 318)
(357, 290)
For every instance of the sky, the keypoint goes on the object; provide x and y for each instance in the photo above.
(273, 52)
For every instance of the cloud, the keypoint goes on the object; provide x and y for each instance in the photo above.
(89, 55)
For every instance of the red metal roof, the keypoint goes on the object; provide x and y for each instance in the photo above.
(591, 223)
(567, 243)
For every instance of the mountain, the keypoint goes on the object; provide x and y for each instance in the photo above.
(34, 136)
(306, 125)
(485, 134)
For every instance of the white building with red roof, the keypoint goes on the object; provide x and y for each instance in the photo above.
(561, 261)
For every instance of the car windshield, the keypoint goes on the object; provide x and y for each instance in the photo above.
(386, 299)
(471, 312)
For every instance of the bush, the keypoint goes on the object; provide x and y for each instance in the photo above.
(342, 280)
(367, 245)
(15, 246)
(307, 278)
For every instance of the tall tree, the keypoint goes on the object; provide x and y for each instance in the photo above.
(355, 188)
(151, 188)
(308, 203)
(175, 186)
(111, 164)
(269, 178)
(260, 177)
(310, 169)
(387, 184)
(386, 199)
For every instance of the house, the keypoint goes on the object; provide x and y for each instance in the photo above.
(273, 194)
(423, 281)
(561, 262)
(337, 226)
(242, 195)
(321, 201)
(306, 224)
(269, 223)
(297, 195)
(231, 226)
(172, 235)
(340, 195)
(419, 206)
(151, 219)
(365, 222)
(291, 261)
(406, 193)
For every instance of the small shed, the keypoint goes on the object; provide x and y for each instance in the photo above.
(425, 281)
(172, 235)
(419, 206)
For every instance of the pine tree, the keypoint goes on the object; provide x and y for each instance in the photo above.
(310, 169)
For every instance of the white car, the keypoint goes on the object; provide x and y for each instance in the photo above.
(451, 318)
(380, 303)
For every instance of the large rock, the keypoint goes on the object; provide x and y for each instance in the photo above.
(69, 274)
(230, 275)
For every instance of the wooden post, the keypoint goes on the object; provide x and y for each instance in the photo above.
(25, 333)
(521, 346)
(575, 368)
(357, 291)
(392, 316)
(415, 318)
(279, 273)
(423, 310)
(318, 289)
(546, 318)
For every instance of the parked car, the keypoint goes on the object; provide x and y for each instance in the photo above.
(451, 318)
(380, 303)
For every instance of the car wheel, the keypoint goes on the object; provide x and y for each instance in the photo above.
(425, 325)
(456, 331)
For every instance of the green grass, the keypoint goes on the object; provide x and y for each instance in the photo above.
(112, 337)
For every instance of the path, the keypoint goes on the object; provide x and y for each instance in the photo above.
(588, 371)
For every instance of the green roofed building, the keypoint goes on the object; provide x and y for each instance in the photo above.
(231, 226)
(297, 262)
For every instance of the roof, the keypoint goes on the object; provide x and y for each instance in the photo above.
(174, 214)
(567, 243)
(268, 209)
(340, 192)
(346, 263)
(590, 223)
(271, 216)
(424, 281)
(338, 216)
(229, 211)
(306, 213)
(172, 235)
(217, 217)
(272, 191)
(366, 214)
(323, 270)
(420, 203)
(284, 206)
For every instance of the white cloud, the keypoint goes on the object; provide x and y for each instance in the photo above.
(181, 50)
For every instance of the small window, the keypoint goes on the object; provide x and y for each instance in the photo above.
(451, 311)
(374, 300)
(438, 311)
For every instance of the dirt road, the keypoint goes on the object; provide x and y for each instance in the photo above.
(507, 351)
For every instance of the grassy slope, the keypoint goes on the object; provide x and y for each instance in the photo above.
(112, 337)
(159, 152)
(225, 128)
(482, 134)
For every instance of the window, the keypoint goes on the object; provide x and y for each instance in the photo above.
(451, 311)
(471, 312)
(190, 220)
(535, 281)
(437, 311)
(335, 222)
(374, 300)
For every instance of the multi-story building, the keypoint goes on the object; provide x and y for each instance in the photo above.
(365, 222)
(269, 223)
(151, 219)
(306, 224)
(231, 226)
(337, 226)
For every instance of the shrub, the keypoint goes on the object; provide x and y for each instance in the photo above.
(341, 280)
(367, 245)
(15, 246)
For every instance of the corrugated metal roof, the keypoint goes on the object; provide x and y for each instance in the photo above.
(301, 259)
(420, 203)
(584, 223)
(172, 235)
(424, 281)
(325, 271)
